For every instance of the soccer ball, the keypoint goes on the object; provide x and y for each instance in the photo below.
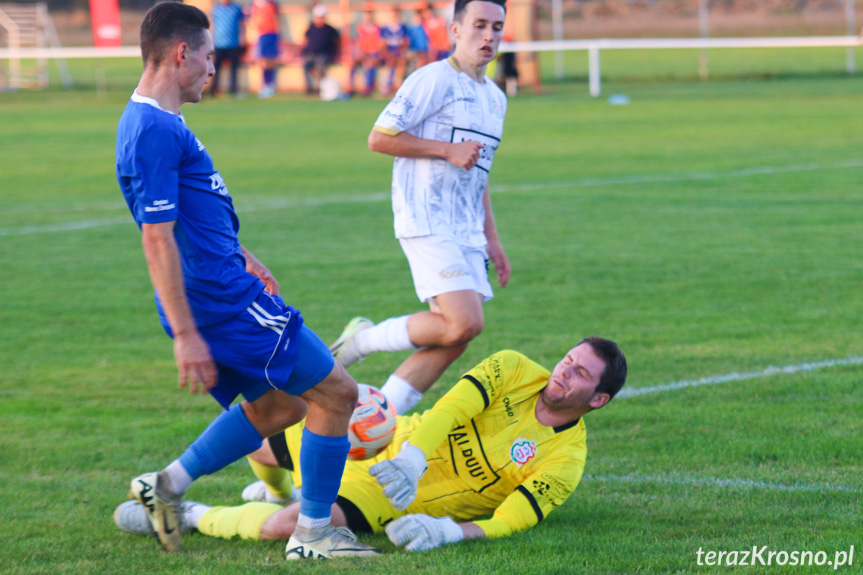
(373, 423)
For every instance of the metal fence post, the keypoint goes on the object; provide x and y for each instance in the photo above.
(594, 72)
(851, 27)
(557, 30)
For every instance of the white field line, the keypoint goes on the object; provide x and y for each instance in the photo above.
(377, 197)
(680, 176)
(715, 482)
(251, 207)
(734, 376)
(63, 227)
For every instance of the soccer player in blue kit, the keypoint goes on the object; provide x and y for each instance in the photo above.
(232, 332)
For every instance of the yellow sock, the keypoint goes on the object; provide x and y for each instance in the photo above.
(244, 521)
(277, 480)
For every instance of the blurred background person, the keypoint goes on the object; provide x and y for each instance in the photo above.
(370, 46)
(508, 71)
(436, 31)
(395, 40)
(265, 19)
(418, 44)
(227, 21)
(320, 50)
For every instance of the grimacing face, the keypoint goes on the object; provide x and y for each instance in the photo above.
(573, 380)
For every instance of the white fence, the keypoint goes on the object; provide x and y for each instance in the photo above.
(594, 46)
(69, 53)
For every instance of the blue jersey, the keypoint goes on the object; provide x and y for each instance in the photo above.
(227, 20)
(394, 38)
(166, 174)
(419, 41)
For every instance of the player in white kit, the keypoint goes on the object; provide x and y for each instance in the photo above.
(443, 127)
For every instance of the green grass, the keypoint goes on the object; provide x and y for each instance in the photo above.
(707, 227)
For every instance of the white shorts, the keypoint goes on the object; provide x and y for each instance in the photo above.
(440, 265)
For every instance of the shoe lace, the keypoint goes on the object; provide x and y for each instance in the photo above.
(346, 533)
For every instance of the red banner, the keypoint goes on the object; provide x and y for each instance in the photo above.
(105, 16)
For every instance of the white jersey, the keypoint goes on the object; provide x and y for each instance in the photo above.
(433, 196)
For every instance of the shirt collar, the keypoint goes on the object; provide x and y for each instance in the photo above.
(139, 99)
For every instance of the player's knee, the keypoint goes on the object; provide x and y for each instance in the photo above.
(461, 333)
(280, 525)
(349, 395)
(342, 396)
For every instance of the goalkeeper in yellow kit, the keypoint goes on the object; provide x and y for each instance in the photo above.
(508, 440)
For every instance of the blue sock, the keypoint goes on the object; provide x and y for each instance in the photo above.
(371, 77)
(230, 437)
(322, 462)
(269, 76)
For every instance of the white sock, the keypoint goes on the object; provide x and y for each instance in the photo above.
(401, 394)
(179, 479)
(389, 335)
(311, 523)
(192, 513)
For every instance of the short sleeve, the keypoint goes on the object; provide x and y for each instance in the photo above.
(156, 156)
(415, 101)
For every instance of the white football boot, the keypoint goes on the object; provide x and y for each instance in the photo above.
(345, 348)
(161, 507)
(258, 491)
(325, 543)
(131, 516)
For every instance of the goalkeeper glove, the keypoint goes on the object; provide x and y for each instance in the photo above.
(400, 475)
(420, 532)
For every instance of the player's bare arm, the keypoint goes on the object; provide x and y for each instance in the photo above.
(255, 267)
(495, 249)
(404, 145)
(472, 531)
(194, 362)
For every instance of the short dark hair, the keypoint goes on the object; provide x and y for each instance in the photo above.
(614, 375)
(168, 23)
(461, 6)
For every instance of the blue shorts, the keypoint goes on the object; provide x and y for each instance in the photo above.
(268, 46)
(265, 347)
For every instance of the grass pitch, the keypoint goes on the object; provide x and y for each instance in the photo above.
(709, 228)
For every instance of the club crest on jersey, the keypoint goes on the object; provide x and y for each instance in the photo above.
(522, 451)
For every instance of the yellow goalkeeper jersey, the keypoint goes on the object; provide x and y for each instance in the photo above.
(486, 452)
